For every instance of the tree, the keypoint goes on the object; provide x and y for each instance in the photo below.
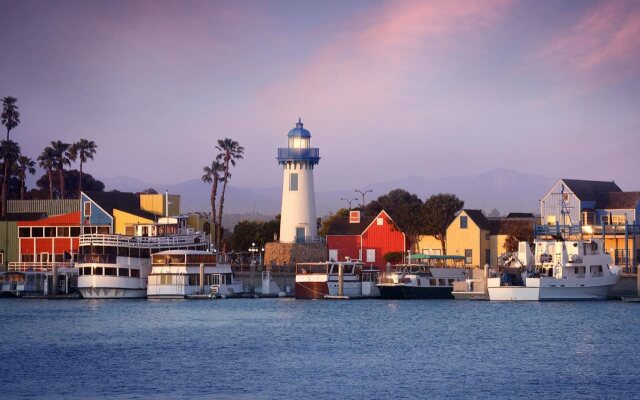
(46, 160)
(60, 159)
(230, 151)
(71, 178)
(10, 152)
(247, 232)
(212, 175)
(517, 231)
(10, 114)
(438, 212)
(83, 150)
(25, 165)
(404, 208)
(339, 218)
(494, 213)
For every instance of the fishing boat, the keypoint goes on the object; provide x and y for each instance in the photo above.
(474, 287)
(430, 278)
(179, 274)
(558, 270)
(335, 280)
(38, 279)
(117, 266)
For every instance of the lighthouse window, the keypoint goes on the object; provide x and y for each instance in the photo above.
(293, 182)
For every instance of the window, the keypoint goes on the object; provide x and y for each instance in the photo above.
(194, 280)
(87, 208)
(618, 219)
(333, 254)
(87, 270)
(380, 221)
(551, 219)
(432, 282)
(463, 222)
(75, 231)
(441, 282)
(487, 255)
(123, 271)
(605, 220)
(98, 271)
(50, 231)
(24, 232)
(63, 232)
(293, 182)
(135, 273)
(37, 232)
(26, 258)
(468, 256)
(110, 271)
(371, 255)
(588, 218)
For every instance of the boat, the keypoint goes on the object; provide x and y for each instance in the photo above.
(558, 270)
(431, 278)
(473, 288)
(335, 280)
(117, 266)
(179, 274)
(39, 279)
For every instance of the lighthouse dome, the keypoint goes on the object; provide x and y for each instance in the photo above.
(299, 131)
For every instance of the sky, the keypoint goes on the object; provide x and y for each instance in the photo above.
(388, 89)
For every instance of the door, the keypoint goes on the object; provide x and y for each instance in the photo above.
(300, 235)
(333, 254)
(44, 257)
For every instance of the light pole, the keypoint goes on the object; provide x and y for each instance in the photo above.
(253, 250)
(261, 253)
(349, 201)
(363, 193)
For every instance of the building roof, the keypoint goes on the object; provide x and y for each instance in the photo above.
(299, 131)
(70, 219)
(26, 216)
(618, 200)
(123, 201)
(341, 226)
(521, 215)
(588, 190)
(507, 226)
(478, 218)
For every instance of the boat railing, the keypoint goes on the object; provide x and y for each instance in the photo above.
(141, 241)
(37, 266)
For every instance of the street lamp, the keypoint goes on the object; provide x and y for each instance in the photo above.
(261, 253)
(363, 193)
(253, 250)
(349, 201)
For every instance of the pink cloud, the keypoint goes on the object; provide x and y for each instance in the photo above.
(606, 36)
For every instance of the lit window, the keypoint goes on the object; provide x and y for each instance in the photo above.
(293, 182)
(371, 255)
(380, 221)
(463, 222)
(468, 256)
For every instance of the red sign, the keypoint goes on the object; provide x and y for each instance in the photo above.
(354, 217)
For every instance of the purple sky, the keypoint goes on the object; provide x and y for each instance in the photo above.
(388, 89)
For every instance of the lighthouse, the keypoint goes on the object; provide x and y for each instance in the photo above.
(298, 213)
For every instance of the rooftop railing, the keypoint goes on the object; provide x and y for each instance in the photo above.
(37, 266)
(310, 239)
(288, 154)
(142, 241)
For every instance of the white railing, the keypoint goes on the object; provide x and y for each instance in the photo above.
(142, 241)
(37, 266)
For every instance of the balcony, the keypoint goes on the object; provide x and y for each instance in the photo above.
(310, 239)
(555, 230)
(286, 155)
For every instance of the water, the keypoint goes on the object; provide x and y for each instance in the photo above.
(288, 349)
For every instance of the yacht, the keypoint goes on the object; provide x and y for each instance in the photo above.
(36, 279)
(558, 270)
(117, 266)
(432, 278)
(333, 279)
(179, 274)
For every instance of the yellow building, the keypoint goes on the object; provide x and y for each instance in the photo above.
(158, 204)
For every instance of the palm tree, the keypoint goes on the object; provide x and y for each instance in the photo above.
(10, 114)
(10, 152)
(61, 157)
(46, 160)
(25, 165)
(230, 151)
(212, 175)
(84, 150)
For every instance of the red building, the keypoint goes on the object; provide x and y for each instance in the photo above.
(47, 239)
(367, 240)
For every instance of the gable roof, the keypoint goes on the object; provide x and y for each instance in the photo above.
(69, 219)
(478, 218)
(123, 201)
(342, 227)
(588, 190)
(618, 200)
(520, 215)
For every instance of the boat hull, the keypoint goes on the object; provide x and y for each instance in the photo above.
(311, 290)
(404, 292)
(112, 293)
(470, 295)
(574, 293)
(514, 293)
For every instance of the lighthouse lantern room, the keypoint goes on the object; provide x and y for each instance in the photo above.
(298, 213)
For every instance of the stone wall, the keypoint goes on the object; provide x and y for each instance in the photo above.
(292, 253)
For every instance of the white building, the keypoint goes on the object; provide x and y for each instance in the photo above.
(298, 214)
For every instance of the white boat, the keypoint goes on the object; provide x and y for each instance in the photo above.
(559, 270)
(334, 279)
(474, 287)
(179, 274)
(117, 266)
(432, 278)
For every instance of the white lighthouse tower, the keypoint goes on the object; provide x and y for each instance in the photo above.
(298, 214)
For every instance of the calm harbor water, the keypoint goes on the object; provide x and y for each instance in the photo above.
(288, 349)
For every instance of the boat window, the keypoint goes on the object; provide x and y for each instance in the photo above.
(110, 271)
(215, 279)
(97, 271)
(36, 232)
(441, 282)
(80, 271)
(144, 253)
(87, 270)
(451, 282)
(347, 269)
(111, 250)
(194, 280)
(123, 271)
(123, 251)
(177, 258)
(166, 279)
(134, 252)
(97, 250)
(432, 282)
(135, 273)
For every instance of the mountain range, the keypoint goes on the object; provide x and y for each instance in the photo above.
(502, 189)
